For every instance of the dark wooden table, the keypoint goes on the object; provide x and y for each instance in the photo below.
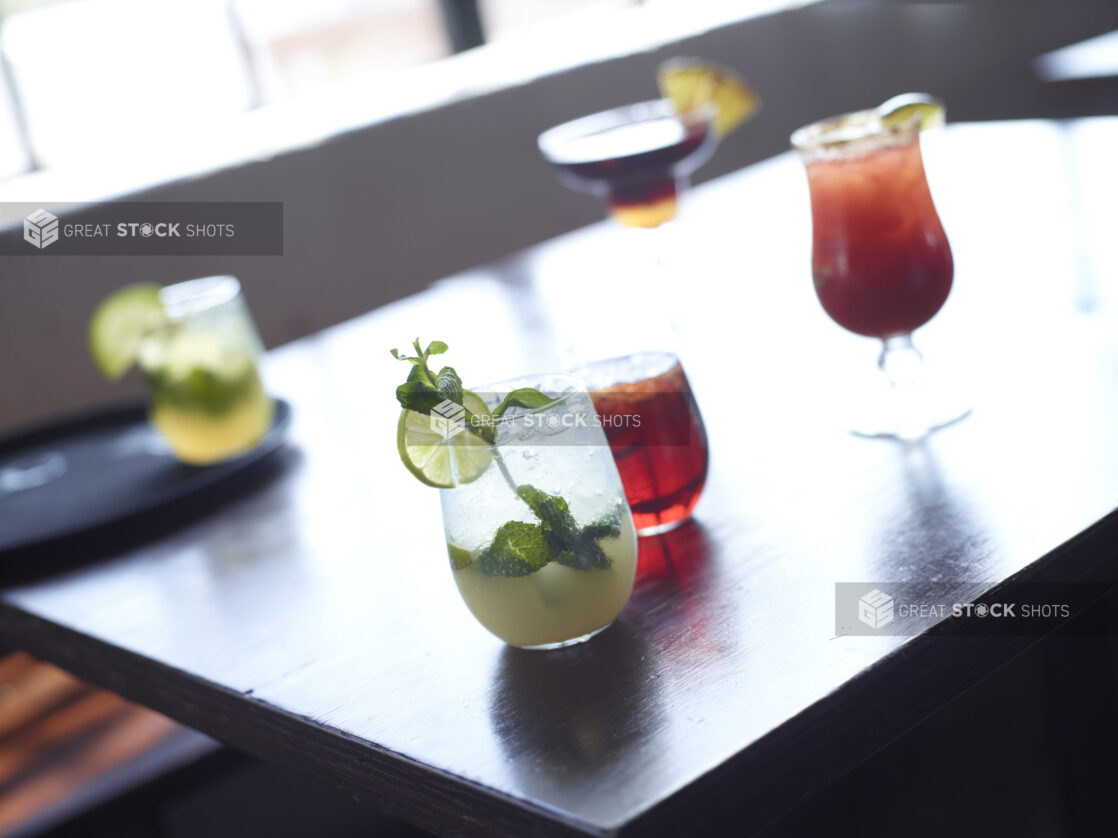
(313, 621)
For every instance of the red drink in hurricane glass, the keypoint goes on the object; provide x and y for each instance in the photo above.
(881, 262)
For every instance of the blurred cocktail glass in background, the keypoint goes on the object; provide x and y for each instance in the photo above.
(636, 158)
(198, 350)
(207, 398)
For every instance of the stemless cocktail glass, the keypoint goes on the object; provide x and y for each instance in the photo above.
(541, 542)
(656, 433)
(881, 261)
(206, 396)
(638, 159)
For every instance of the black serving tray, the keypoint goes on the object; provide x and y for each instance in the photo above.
(84, 474)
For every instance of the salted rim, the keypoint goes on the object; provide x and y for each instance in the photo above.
(853, 134)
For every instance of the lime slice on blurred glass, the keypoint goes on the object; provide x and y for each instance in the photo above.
(119, 325)
(900, 109)
(440, 459)
(692, 84)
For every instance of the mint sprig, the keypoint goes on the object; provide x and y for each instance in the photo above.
(528, 397)
(520, 548)
(419, 359)
(570, 544)
(425, 390)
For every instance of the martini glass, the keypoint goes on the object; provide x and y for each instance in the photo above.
(636, 158)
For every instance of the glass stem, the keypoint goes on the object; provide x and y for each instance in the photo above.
(901, 362)
(655, 252)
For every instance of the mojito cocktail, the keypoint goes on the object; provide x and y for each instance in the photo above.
(198, 350)
(540, 538)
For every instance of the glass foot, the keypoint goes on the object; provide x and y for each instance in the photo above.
(907, 425)
(909, 401)
(905, 411)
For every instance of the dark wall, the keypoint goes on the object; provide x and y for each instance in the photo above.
(380, 212)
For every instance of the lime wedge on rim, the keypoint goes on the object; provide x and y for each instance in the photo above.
(900, 109)
(119, 325)
(440, 459)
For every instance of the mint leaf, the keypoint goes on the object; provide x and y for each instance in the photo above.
(521, 548)
(418, 396)
(419, 360)
(588, 553)
(570, 545)
(527, 397)
(585, 554)
(518, 549)
(449, 385)
(558, 524)
(603, 529)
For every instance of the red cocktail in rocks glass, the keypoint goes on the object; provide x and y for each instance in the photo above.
(655, 432)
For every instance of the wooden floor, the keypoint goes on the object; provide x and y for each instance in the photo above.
(58, 736)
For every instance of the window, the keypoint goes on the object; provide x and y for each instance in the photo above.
(297, 47)
(94, 75)
(105, 86)
(505, 18)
